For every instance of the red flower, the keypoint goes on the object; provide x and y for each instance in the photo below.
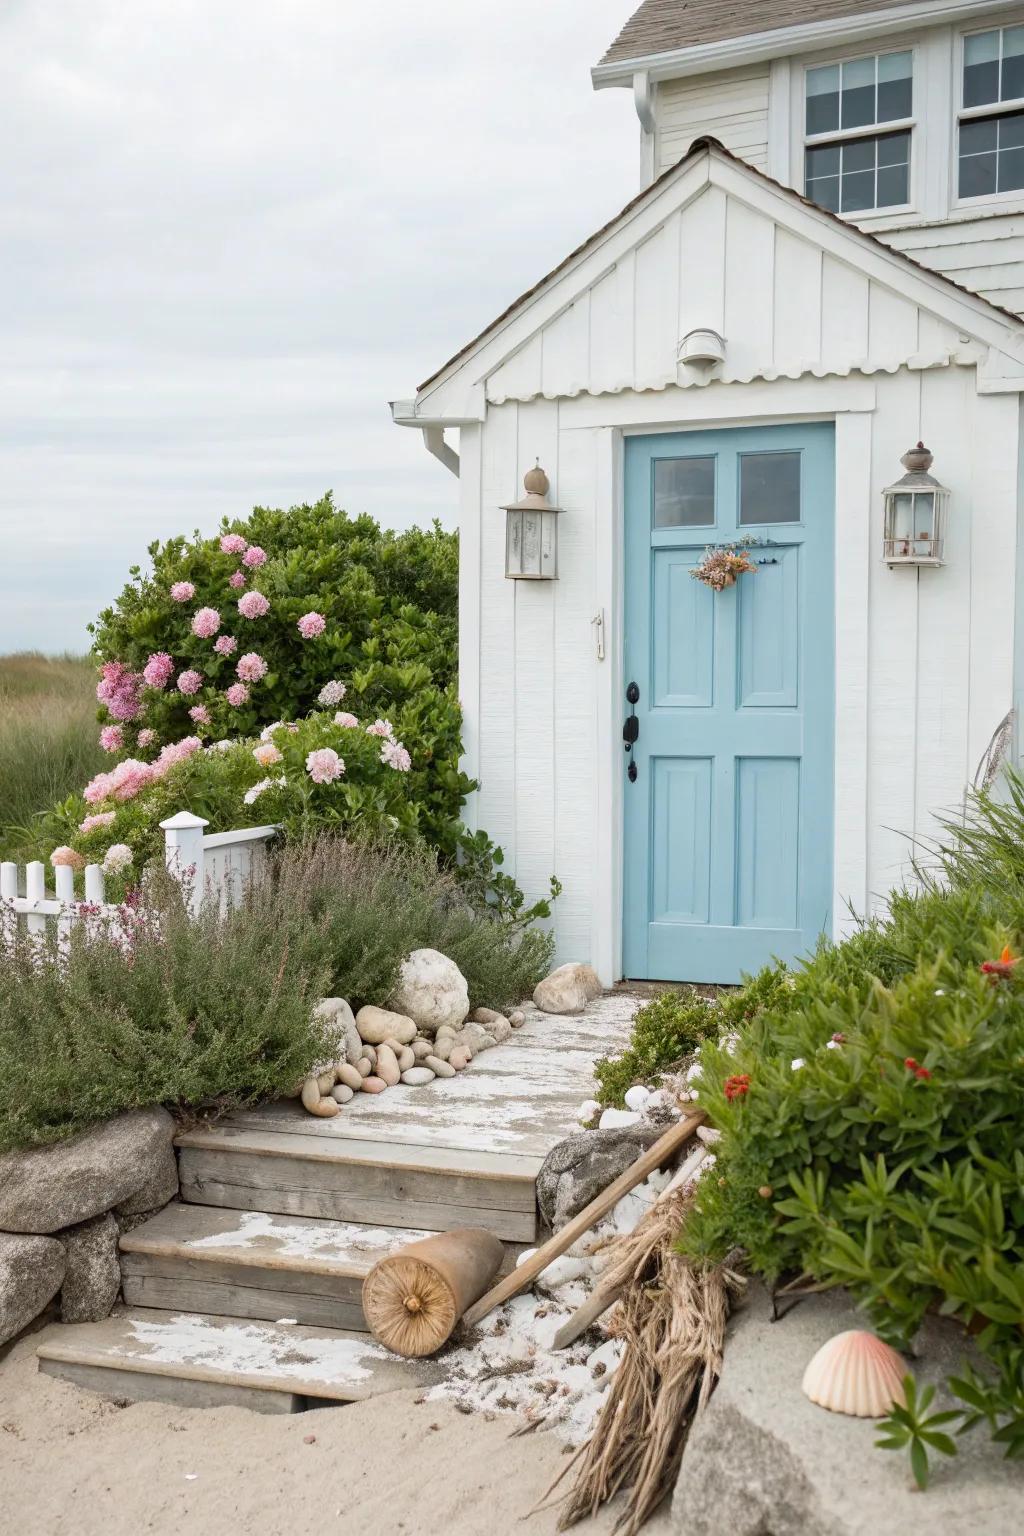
(736, 1087)
(838, 1039)
(910, 1063)
(1001, 969)
(922, 1072)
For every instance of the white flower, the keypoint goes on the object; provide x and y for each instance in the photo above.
(832, 1045)
(117, 857)
(257, 789)
(940, 991)
(331, 693)
(730, 1042)
(268, 730)
(797, 1063)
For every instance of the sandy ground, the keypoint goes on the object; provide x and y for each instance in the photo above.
(72, 1464)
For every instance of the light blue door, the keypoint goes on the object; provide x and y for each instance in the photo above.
(728, 818)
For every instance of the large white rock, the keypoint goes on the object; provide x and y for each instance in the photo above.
(340, 1020)
(431, 990)
(567, 990)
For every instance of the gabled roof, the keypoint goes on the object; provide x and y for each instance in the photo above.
(662, 26)
(711, 150)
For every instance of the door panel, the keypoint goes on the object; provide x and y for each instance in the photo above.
(728, 820)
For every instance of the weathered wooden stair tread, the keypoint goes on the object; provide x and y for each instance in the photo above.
(225, 1353)
(285, 1130)
(250, 1264)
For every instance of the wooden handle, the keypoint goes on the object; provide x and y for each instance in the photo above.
(635, 1174)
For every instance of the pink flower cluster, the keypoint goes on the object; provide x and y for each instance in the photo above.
(233, 544)
(130, 777)
(101, 819)
(236, 579)
(251, 667)
(200, 714)
(205, 623)
(380, 728)
(225, 645)
(344, 718)
(158, 670)
(147, 737)
(394, 755)
(237, 695)
(324, 766)
(331, 693)
(111, 738)
(254, 556)
(311, 625)
(182, 592)
(253, 605)
(266, 754)
(189, 682)
(67, 858)
(118, 689)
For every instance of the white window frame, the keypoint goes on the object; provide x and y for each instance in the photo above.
(802, 140)
(1006, 202)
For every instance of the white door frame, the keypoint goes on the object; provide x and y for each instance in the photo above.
(849, 403)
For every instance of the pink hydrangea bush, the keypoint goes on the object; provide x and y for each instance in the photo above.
(253, 605)
(233, 544)
(237, 695)
(324, 765)
(182, 592)
(112, 738)
(225, 645)
(118, 689)
(159, 670)
(236, 580)
(189, 682)
(311, 625)
(251, 667)
(205, 623)
(254, 557)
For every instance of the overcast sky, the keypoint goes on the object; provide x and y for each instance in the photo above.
(232, 230)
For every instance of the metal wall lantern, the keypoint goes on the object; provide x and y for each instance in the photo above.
(531, 532)
(916, 508)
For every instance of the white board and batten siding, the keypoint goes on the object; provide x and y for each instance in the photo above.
(731, 106)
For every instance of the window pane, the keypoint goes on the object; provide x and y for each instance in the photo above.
(684, 493)
(769, 488)
(1013, 63)
(893, 186)
(1011, 131)
(977, 175)
(978, 136)
(981, 68)
(858, 191)
(895, 86)
(823, 99)
(1011, 170)
(894, 149)
(859, 155)
(823, 161)
(824, 190)
(858, 103)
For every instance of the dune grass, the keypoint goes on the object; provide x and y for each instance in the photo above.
(48, 741)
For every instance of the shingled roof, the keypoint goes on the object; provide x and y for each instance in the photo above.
(662, 26)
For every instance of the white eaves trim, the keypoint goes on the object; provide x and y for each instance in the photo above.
(755, 47)
(457, 395)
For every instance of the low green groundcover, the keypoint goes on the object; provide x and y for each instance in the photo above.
(870, 1104)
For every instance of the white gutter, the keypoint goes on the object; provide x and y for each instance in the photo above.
(755, 47)
(403, 414)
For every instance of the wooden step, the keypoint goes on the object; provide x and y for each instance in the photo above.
(285, 1163)
(251, 1265)
(200, 1361)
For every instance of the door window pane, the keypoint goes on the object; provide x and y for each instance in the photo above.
(769, 488)
(684, 493)
(991, 155)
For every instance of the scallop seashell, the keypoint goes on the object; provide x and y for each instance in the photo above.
(856, 1373)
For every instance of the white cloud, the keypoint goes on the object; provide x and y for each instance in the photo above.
(232, 232)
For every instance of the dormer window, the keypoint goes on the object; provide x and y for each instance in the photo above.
(849, 166)
(991, 154)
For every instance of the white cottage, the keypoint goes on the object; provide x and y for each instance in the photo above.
(820, 272)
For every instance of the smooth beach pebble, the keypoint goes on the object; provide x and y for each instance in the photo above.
(373, 1085)
(517, 1019)
(459, 1059)
(341, 1092)
(368, 1054)
(442, 1047)
(364, 1068)
(421, 1049)
(417, 1077)
(438, 1067)
(351, 1077)
(387, 1065)
(406, 1059)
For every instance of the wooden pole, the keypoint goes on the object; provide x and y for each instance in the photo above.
(523, 1277)
(413, 1298)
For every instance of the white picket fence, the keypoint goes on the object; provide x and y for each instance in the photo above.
(218, 864)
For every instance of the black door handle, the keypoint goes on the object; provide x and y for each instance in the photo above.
(631, 729)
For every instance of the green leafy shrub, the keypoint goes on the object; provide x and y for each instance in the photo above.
(155, 1008)
(388, 604)
(870, 1118)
